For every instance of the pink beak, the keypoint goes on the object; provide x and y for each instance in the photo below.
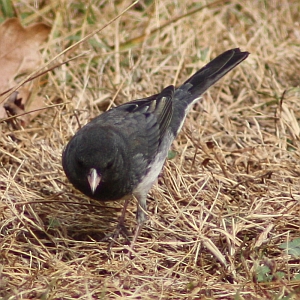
(94, 179)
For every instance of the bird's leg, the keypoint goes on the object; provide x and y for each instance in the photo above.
(141, 216)
(120, 228)
(136, 234)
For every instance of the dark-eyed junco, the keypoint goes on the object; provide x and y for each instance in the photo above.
(122, 151)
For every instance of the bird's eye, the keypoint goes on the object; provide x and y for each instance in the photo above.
(109, 165)
(80, 163)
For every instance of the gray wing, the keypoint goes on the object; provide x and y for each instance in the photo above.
(142, 125)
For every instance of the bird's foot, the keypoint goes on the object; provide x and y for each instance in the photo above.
(134, 239)
(113, 237)
(120, 229)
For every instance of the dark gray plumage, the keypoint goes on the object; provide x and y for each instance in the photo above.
(122, 151)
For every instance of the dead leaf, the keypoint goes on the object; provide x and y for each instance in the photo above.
(13, 105)
(19, 54)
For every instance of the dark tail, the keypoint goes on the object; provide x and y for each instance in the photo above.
(196, 85)
(213, 71)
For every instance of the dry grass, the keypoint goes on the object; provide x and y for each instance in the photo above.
(222, 205)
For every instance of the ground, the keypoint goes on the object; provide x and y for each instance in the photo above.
(227, 200)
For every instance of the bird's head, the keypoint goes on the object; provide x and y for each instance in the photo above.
(93, 161)
(96, 165)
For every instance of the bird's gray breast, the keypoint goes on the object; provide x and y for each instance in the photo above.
(155, 166)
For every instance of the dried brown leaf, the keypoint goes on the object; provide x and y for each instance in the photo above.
(19, 53)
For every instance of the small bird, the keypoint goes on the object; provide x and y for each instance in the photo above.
(122, 151)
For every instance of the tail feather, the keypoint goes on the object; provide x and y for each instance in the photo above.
(196, 85)
(213, 71)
